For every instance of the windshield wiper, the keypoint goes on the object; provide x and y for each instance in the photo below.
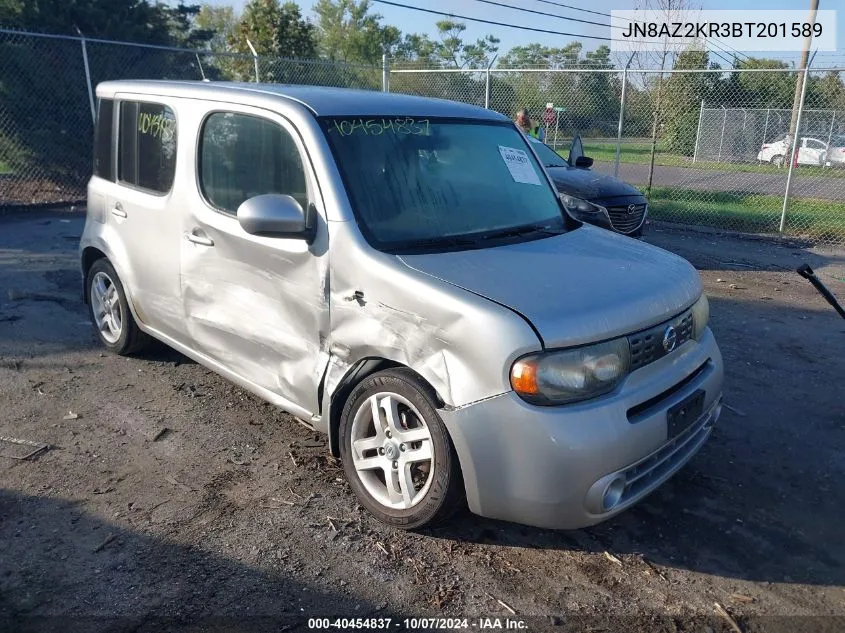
(523, 230)
(434, 241)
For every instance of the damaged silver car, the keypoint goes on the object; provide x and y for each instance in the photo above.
(398, 273)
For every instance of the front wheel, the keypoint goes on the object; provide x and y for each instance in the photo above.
(777, 161)
(396, 452)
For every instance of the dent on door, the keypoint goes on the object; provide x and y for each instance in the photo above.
(260, 307)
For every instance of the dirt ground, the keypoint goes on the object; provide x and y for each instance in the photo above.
(171, 499)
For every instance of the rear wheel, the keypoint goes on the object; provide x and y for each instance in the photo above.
(396, 452)
(116, 328)
(777, 160)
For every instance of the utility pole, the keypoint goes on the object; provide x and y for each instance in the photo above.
(799, 80)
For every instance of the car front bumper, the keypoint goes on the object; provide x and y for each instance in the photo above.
(551, 466)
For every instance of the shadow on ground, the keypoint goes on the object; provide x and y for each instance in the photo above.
(64, 569)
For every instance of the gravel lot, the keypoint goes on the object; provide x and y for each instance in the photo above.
(171, 499)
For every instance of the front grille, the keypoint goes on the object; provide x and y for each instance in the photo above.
(627, 219)
(668, 458)
(647, 346)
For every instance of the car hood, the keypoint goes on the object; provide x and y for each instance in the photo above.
(588, 184)
(583, 286)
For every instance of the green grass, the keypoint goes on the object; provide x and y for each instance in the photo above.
(641, 153)
(629, 153)
(818, 219)
(4, 168)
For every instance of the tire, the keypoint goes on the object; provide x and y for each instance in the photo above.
(777, 160)
(109, 311)
(406, 484)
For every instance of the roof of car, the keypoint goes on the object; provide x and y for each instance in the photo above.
(320, 100)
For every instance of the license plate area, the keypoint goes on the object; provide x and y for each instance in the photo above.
(685, 413)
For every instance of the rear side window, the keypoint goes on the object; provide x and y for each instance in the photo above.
(242, 156)
(147, 147)
(103, 137)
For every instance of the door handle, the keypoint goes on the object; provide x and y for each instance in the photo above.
(202, 240)
(117, 210)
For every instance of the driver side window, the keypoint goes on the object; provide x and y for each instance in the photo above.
(241, 156)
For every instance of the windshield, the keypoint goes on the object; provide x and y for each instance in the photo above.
(436, 182)
(549, 157)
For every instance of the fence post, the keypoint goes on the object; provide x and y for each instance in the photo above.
(621, 114)
(254, 59)
(830, 133)
(487, 88)
(698, 132)
(487, 82)
(88, 80)
(385, 73)
(722, 137)
(793, 146)
(765, 127)
(621, 120)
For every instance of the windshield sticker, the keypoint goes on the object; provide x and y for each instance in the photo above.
(377, 127)
(519, 165)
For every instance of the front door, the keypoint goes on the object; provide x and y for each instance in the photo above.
(257, 305)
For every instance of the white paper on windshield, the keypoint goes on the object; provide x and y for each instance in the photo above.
(519, 165)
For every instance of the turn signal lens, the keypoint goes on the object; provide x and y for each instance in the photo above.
(524, 376)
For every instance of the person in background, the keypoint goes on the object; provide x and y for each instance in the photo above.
(526, 125)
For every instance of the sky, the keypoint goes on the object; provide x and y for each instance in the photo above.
(413, 21)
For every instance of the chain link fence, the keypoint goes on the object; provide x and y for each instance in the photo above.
(707, 147)
(47, 101)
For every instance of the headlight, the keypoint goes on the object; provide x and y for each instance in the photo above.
(585, 211)
(700, 316)
(570, 375)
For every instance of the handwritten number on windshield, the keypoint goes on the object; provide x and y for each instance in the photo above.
(377, 127)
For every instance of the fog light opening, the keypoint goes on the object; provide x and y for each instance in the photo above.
(613, 494)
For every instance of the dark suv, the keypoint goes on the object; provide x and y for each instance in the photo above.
(591, 197)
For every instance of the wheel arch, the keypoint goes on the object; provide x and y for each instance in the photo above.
(359, 371)
(90, 254)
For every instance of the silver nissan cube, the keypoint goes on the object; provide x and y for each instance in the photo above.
(398, 273)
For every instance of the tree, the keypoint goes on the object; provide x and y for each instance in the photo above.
(684, 93)
(182, 27)
(591, 99)
(767, 90)
(539, 56)
(416, 49)
(129, 20)
(348, 32)
(47, 127)
(452, 51)
(220, 22)
(274, 30)
(828, 91)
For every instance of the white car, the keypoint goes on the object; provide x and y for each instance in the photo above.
(812, 151)
(836, 151)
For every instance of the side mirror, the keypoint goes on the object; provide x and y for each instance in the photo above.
(576, 151)
(275, 215)
(584, 162)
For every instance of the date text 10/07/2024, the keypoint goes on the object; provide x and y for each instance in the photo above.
(414, 624)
